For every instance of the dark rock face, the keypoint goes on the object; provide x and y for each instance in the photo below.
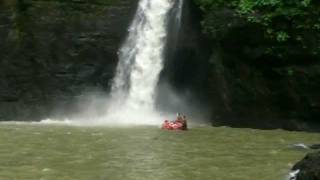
(182, 81)
(52, 51)
(309, 167)
(186, 63)
(247, 88)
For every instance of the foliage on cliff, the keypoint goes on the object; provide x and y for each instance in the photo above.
(264, 66)
(285, 24)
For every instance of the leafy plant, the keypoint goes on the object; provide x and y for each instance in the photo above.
(295, 21)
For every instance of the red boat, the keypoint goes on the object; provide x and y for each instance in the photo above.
(174, 125)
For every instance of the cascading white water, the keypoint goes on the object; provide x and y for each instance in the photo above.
(141, 61)
(179, 13)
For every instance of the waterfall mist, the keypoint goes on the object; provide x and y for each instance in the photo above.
(140, 63)
(133, 95)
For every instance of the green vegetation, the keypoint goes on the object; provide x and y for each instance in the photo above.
(265, 60)
(285, 24)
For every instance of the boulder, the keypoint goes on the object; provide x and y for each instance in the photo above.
(309, 167)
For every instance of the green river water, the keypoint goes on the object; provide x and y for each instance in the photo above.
(50, 152)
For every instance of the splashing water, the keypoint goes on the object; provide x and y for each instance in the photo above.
(293, 175)
(140, 63)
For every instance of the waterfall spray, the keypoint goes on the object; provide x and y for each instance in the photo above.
(140, 63)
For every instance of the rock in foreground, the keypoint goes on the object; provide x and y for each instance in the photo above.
(309, 167)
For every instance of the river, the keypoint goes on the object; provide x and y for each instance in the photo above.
(42, 151)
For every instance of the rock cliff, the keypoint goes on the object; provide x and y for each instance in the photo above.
(309, 167)
(51, 51)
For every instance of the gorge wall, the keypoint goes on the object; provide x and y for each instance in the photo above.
(257, 81)
(51, 51)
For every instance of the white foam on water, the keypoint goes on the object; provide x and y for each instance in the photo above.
(42, 122)
(300, 145)
(52, 121)
(293, 175)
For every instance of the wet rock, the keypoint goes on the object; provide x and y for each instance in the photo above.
(315, 146)
(309, 167)
(248, 88)
(52, 51)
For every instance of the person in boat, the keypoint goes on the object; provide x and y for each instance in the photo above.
(184, 123)
(166, 125)
(180, 123)
(179, 118)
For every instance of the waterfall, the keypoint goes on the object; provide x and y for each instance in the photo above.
(179, 12)
(141, 61)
